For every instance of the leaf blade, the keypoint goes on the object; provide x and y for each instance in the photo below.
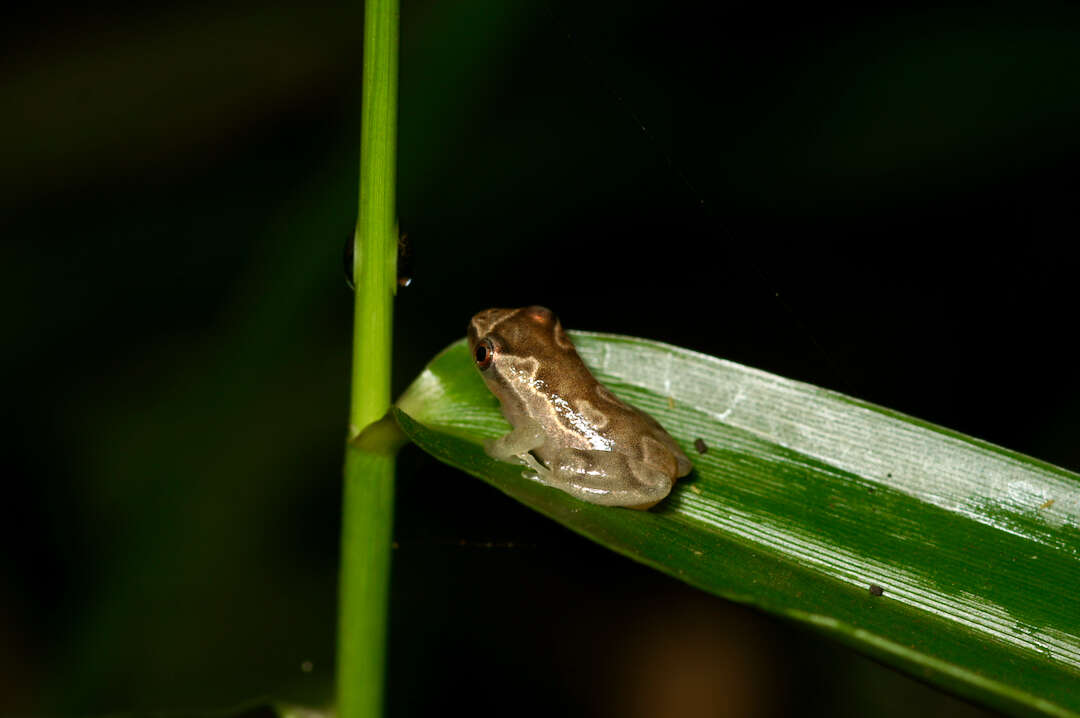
(807, 497)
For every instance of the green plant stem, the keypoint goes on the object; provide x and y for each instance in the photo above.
(375, 255)
(367, 520)
(367, 528)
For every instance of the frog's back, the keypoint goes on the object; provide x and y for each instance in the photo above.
(591, 416)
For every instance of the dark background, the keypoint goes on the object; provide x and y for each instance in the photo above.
(879, 201)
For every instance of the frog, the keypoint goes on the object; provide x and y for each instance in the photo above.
(567, 428)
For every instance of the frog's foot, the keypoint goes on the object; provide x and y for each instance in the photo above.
(539, 472)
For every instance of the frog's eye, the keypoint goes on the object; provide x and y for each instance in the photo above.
(483, 354)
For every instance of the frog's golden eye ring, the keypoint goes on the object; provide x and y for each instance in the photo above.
(483, 354)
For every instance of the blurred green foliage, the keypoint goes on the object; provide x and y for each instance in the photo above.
(177, 185)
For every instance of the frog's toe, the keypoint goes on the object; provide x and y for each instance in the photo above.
(539, 470)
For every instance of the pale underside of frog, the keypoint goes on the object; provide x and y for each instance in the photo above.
(567, 427)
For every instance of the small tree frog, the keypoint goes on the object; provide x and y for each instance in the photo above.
(566, 426)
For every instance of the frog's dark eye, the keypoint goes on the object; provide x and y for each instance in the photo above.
(483, 354)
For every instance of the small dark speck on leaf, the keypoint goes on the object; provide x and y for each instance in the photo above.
(889, 475)
(699, 444)
(876, 590)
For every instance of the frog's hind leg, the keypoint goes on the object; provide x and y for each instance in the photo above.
(606, 478)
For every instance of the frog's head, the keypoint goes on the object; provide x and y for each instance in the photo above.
(504, 343)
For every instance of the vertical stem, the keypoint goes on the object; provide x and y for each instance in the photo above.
(375, 255)
(367, 519)
(367, 524)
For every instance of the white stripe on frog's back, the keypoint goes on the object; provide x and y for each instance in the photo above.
(484, 328)
(580, 418)
(582, 423)
(521, 373)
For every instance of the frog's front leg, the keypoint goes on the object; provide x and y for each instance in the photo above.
(607, 478)
(526, 435)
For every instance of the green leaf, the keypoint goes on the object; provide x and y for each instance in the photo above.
(805, 499)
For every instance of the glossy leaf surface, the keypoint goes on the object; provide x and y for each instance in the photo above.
(805, 499)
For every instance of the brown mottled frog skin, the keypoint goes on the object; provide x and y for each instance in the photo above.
(566, 426)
